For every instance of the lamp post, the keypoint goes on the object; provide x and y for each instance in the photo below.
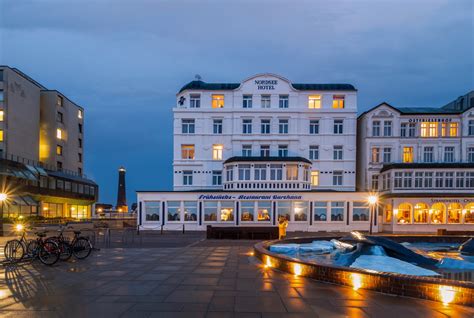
(373, 199)
(3, 197)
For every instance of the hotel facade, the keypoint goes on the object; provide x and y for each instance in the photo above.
(246, 154)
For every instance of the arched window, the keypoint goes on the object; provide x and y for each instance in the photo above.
(404, 213)
(454, 213)
(421, 211)
(469, 214)
(387, 212)
(438, 213)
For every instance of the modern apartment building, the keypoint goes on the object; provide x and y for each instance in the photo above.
(41, 150)
(421, 161)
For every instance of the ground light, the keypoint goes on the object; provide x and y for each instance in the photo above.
(447, 294)
(356, 280)
(297, 269)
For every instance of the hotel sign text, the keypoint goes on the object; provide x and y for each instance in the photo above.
(266, 84)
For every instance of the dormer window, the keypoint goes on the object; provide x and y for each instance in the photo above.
(217, 101)
(338, 101)
(195, 101)
(266, 101)
(314, 101)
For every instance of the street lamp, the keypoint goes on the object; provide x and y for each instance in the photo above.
(373, 199)
(3, 198)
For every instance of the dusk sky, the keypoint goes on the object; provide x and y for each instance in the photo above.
(124, 61)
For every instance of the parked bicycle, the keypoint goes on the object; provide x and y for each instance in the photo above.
(46, 251)
(79, 246)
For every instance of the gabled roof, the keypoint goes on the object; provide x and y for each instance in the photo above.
(266, 159)
(418, 110)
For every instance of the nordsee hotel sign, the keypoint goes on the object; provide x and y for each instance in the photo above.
(266, 84)
(249, 197)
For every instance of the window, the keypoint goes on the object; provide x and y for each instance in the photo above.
(80, 114)
(314, 101)
(439, 179)
(283, 102)
(187, 177)
(247, 126)
(59, 150)
(284, 209)
(429, 129)
(59, 101)
(360, 211)
(375, 182)
(246, 150)
(260, 172)
(264, 151)
(337, 153)
(404, 213)
(210, 211)
(418, 179)
(187, 126)
(470, 180)
(420, 213)
(320, 211)
(438, 213)
(376, 128)
(314, 152)
(459, 179)
(152, 210)
(59, 133)
(263, 211)
(407, 154)
(375, 156)
(2, 96)
(291, 172)
(337, 211)
(315, 178)
(216, 177)
(428, 154)
(217, 152)
(387, 128)
(79, 142)
(338, 101)
(79, 157)
(454, 213)
(187, 152)
(403, 130)
(59, 117)
(449, 180)
(282, 151)
(283, 126)
(217, 101)
(300, 209)
(470, 154)
(195, 101)
(398, 180)
(80, 128)
(265, 126)
(444, 129)
(190, 211)
(276, 172)
(59, 165)
(217, 126)
(265, 101)
(448, 154)
(247, 101)
(471, 128)
(229, 173)
(337, 178)
(453, 129)
(388, 212)
(411, 130)
(387, 155)
(338, 126)
(407, 179)
(227, 211)
(174, 210)
(2, 115)
(244, 172)
(247, 209)
(314, 126)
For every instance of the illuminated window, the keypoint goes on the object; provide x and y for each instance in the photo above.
(1, 135)
(263, 210)
(59, 101)
(438, 212)
(444, 129)
(217, 101)
(454, 213)
(227, 211)
(375, 155)
(59, 150)
(388, 213)
(314, 101)
(187, 152)
(453, 129)
(247, 211)
(338, 101)
(407, 154)
(59, 133)
(80, 114)
(404, 213)
(314, 178)
(420, 213)
(300, 209)
(217, 152)
(429, 129)
(2, 114)
(469, 213)
(291, 172)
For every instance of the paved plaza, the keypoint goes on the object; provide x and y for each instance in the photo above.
(202, 279)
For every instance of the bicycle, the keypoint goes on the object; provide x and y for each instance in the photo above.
(79, 246)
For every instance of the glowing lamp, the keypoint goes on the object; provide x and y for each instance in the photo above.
(356, 280)
(19, 227)
(297, 269)
(3, 196)
(372, 199)
(447, 294)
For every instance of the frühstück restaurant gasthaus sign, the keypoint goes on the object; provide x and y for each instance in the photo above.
(249, 197)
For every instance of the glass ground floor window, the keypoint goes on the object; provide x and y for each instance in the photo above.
(247, 210)
(174, 210)
(284, 209)
(190, 211)
(152, 210)
(436, 213)
(79, 211)
(420, 213)
(300, 210)
(210, 211)
(227, 211)
(52, 210)
(320, 211)
(218, 211)
(360, 211)
(337, 211)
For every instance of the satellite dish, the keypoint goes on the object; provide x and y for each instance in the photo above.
(198, 77)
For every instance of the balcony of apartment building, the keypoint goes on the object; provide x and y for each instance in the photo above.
(267, 173)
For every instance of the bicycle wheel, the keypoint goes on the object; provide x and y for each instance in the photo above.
(49, 253)
(32, 248)
(65, 251)
(82, 248)
(14, 251)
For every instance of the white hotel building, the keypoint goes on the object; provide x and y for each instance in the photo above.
(421, 162)
(246, 153)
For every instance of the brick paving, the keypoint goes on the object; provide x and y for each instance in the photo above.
(202, 279)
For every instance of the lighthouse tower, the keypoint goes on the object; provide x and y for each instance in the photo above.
(121, 192)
